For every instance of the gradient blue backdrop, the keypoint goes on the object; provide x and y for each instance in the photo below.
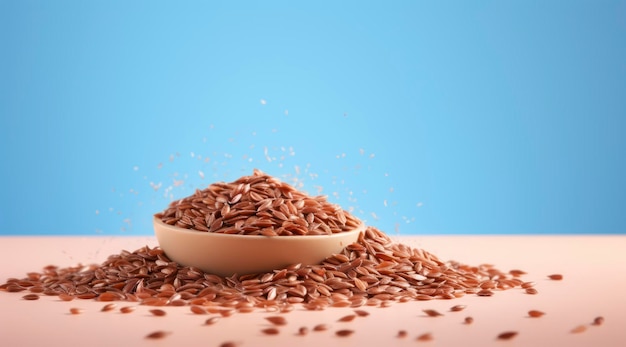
(420, 117)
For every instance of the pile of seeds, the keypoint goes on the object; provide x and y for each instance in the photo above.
(373, 271)
(257, 205)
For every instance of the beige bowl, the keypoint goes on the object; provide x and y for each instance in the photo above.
(225, 254)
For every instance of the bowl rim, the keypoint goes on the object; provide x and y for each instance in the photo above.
(156, 220)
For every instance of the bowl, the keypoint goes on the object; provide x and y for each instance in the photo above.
(228, 254)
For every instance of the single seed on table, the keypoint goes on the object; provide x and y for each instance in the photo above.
(531, 291)
(344, 332)
(211, 321)
(127, 309)
(197, 309)
(228, 344)
(598, 321)
(361, 313)
(75, 310)
(320, 327)
(507, 335)
(469, 320)
(578, 329)
(556, 277)
(516, 273)
(457, 308)
(277, 320)
(424, 337)
(402, 334)
(158, 312)
(270, 331)
(159, 334)
(108, 307)
(432, 313)
(303, 331)
(526, 285)
(535, 313)
(30, 297)
(348, 318)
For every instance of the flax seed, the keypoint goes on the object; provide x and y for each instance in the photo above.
(158, 312)
(556, 277)
(108, 307)
(457, 308)
(159, 334)
(270, 331)
(30, 297)
(344, 332)
(277, 320)
(598, 321)
(535, 313)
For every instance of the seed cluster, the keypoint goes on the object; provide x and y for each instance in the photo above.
(257, 205)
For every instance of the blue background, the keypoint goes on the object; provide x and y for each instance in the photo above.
(420, 117)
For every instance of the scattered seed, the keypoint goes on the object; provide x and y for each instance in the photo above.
(277, 320)
(344, 332)
(485, 292)
(517, 273)
(320, 327)
(556, 277)
(228, 344)
(108, 307)
(579, 329)
(75, 310)
(30, 297)
(66, 297)
(469, 320)
(402, 334)
(361, 313)
(432, 313)
(127, 309)
(531, 291)
(159, 334)
(270, 331)
(348, 318)
(598, 321)
(158, 312)
(457, 308)
(212, 320)
(197, 309)
(535, 313)
(303, 331)
(527, 285)
(507, 335)
(424, 337)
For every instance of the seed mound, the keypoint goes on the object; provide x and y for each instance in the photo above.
(257, 205)
(373, 271)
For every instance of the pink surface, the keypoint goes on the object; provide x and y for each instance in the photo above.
(592, 266)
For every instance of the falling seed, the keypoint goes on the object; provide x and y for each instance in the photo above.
(159, 334)
(75, 310)
(598, 321)
(270, 331)
(344, 332)
(108, 307)
(277, 320)
(469, 320)
(535, 313)
(320, 327)
(30, 297)
(348, 318)
(507, 335)
(457, 308)
(127, 309)
(424, 337)
(579, 329)
(211, 321)
(158, 312)
(556, 277)
(432, 313)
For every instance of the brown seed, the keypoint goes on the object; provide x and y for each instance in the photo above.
(277, 320)
(535, 313)
(507, 335)
(270, 331)
(484, 292)
(402, 334)
(228, 344)
(75, 310)
(344, 332)
(361, 313)
(526, 285)
(348, 318)
(197, 309)
(469, 320)
(598, 321)
(127, 309)
(579, 329)
(432, 313)
(158, 312)
(66, 297)
(303, 331)
(108, 307)
(531, 291)
(555, 277)
(30, 297)
(212, 320)
(159, 334)
(424, 337)
(320, 327)
(517, 273)
(457, 308)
